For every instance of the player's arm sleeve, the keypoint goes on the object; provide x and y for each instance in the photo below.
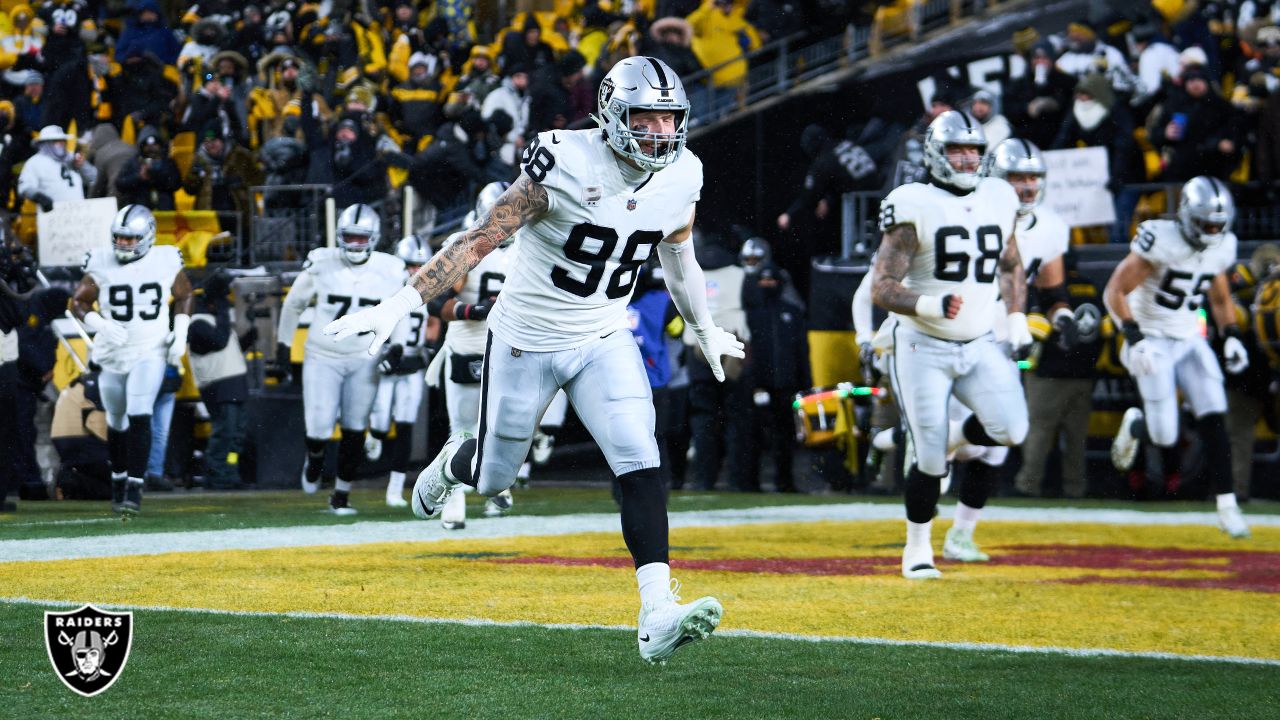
(300, 295)
(863, 325)
(545, 162)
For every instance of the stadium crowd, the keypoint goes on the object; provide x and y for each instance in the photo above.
(190, 112)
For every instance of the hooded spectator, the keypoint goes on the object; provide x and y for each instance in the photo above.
(147, 31)
(671, 41)
(416, 103)
(14, 148)
(996, 128)
(457, 163)
(213, 103)
(477, 79)
(512, 98)
(141, 91)
(152, 177)
(207, 39)
(346, 157)
(29, 106)
(551, 105)
(1037, 102)
(248, 39)
(526, 47)
(1196, 131)
(109, 154)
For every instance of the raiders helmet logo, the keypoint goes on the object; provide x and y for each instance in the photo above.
(88, 647)
(606, 92)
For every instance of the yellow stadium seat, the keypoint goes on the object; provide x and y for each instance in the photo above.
(183, 151)
(64, 367)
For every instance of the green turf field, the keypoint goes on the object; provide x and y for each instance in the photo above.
(188, 664)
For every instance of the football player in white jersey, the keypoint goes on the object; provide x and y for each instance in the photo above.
(947, 258)
(131, 283)
(339, 379)
(464, 309)
(589, 208)
(1043, 238)
(1174, 268)
(400, 381)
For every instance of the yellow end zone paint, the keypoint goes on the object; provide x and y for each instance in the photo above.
(1186, 590)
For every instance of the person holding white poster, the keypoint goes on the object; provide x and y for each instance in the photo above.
(54, 173)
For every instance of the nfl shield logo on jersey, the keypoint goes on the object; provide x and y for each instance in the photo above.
(88, 647)
(631, 204)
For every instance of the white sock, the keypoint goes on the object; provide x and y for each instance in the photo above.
(655, 582)
(523, 472)
(140, 481)
(1227, 501)
(395, 486)
(119, 477)
(966, 517)
(342, 486)
(920, 535)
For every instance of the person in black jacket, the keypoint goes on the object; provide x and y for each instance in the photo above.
(220, 373)
(835, 168)
(22, 381)
(151, 177)
(779, 366)
(1036, 103)
(346, 157)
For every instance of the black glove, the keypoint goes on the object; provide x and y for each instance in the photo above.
(1068, 334)
(249, 338)
(284, 363)
(463, 311)
(391, 357)
(44, 201)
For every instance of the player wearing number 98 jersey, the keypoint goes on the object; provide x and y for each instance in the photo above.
(1155, 294)
(588, 209)
(131, 282)
(339, 379)
(947, 257)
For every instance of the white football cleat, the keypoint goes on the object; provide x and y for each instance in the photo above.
(372, 448)
(308, 487)
(667, 626)
(543, 444)
(341, 505)
(454, 514)
(396, 501)
(917, 564)
(1231, 520)
(498, 505)
(959, 545)
(433, 486)
(1124, 449)
(885, 440)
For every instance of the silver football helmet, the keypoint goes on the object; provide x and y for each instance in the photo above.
(1018, 157)
(358, 230)
(488, 196)
(413, 250)
(952, 128)
(755, 254)
(133, 232)
(1205, 211)
(637, 84)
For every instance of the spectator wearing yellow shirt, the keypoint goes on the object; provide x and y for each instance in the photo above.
(721, 34)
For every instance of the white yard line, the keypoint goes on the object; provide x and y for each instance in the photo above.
(480, 622)
(70, 548)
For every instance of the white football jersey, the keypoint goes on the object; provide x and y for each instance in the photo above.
(1165, 304)
(575, 267)
(961, 238)
(339, 288)
(136, 295)
(1043, 236)
(483, 281)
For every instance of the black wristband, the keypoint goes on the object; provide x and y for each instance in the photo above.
(1132, 334)
(1232, 330)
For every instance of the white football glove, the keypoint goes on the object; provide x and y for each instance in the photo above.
(1019, 334)
(379, 320)
(105, 331)
(178, 340)
(716, 341)
(1142, 358)
(1234, 356)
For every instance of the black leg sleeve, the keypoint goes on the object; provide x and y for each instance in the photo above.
(978, 482)
(920, 493)
(139, 444)
(1217, 452)
(401, 447)
(460, 463)
(118, 450)
(644, 515)
(350, 453)
(315, 458)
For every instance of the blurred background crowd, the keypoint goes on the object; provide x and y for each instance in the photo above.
(237, 121)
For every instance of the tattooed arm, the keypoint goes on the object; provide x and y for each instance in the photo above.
(524, 201)
(1013, 278)
(892, 262)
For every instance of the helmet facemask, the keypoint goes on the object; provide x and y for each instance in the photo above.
(1205, 212)
(133, 233)
(358, 232)
(355, 248)
(950, 130)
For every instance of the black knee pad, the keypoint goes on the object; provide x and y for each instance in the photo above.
(977, 434)
(1217, 451)
(139, 434)
(920, 494)
(118, 450)
(350, 453)
(644, 515)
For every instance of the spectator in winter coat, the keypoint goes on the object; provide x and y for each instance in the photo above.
(53, 174)
(151, 177)
(835, 168)
(14, 148)
(416, 103)
(512, 98)
(220, 373)
(982, 107)
(147, 31)
(721, 34)
(108, 153)
(671, 40)
(1038, 102)
(1196, 131)
(346, 158)
(221, 174)
(551, 105)
(29, 106)
(477, 79)
(213, 104)
(526, 47)
(141, 91)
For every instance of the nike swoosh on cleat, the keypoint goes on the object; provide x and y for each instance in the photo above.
(645, 638)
